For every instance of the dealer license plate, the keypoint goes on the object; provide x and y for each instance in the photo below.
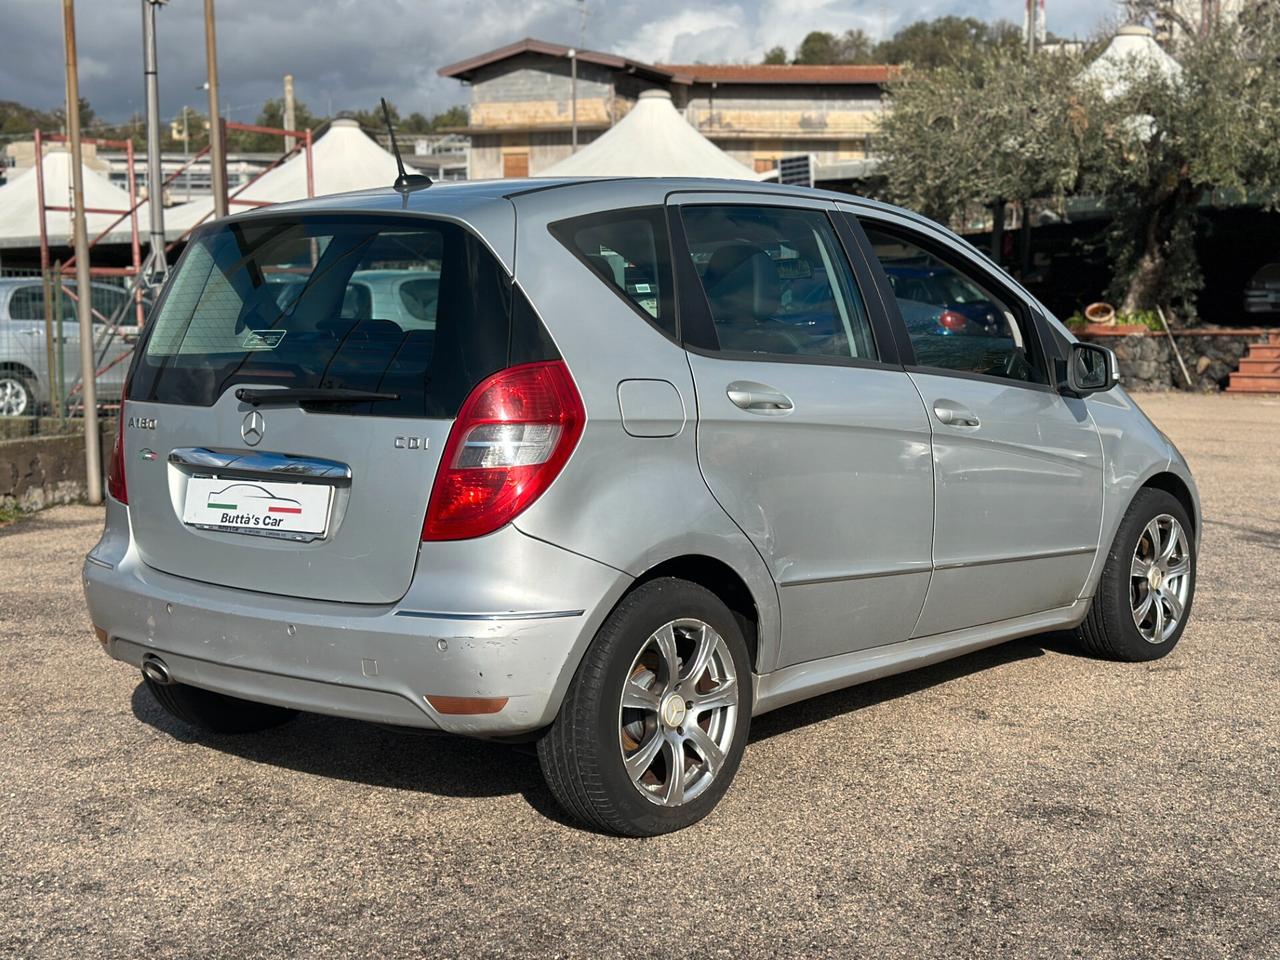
(258, 506)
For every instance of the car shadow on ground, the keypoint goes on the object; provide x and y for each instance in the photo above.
(449, 766)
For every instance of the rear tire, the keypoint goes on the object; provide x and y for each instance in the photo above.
(1138, 615)
(212, 712)
(654, 724)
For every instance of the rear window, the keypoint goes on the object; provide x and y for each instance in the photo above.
(415, 307)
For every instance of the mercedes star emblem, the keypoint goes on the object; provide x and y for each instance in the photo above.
(253, 427)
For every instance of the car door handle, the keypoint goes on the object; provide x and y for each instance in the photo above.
(758, 397)
(954, 415)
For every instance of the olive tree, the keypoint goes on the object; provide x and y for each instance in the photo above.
(1166, 145)
(987, 129)
(1004, 126)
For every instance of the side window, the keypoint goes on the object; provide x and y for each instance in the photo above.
(107, 300)
(628, 250)
(27, 303)
(777, 282)
(954, 321)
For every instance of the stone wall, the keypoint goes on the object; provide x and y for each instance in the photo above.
(1147, 361)
(37, 472)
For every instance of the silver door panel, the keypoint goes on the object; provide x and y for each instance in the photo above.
(1018, 501)
(835, 494)
(828, 619)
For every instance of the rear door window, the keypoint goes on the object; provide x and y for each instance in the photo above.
(629, 251)
(313, 303)
(777, 282)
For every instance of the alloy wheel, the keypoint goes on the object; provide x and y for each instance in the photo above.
(1160, 579)
(678, 712)
(13, 397)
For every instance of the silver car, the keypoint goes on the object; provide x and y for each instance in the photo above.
(25, 383)
(667, 458)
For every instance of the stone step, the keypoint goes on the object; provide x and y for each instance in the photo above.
(1264, 351)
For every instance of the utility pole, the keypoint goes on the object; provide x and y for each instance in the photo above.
(217, 148)
(84, 285)
(186, 152)
(289, 119)
(156, 267)
(573, 93)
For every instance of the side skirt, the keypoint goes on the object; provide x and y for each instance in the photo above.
(803, 680)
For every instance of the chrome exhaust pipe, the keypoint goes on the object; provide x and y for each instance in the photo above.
(154, 669)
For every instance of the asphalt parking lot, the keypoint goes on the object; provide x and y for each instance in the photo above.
(1023, 801)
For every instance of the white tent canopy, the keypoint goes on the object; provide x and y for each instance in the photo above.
(343, 159)
(20, 204)
(653, 140)
(1131, 51)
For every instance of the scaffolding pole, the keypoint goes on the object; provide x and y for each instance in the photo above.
(84, 285)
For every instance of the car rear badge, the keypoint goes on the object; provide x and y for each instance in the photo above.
(411, 443)
(146, 453)
(253, 428)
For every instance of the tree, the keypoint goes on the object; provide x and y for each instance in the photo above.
(775, 55)
(947, 41)
(1002, 126)
(272, 115)
(1164, 145)
(984, 130)
(820, 47)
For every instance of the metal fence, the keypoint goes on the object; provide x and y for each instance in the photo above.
(41, 387)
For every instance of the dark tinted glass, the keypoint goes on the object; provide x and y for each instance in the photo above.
(321, 303)
(777, 282)
(953, 320)
(628, 250)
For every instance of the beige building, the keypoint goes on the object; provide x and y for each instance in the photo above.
(523, 106)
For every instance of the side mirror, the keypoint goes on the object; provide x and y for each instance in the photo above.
(1091, 369)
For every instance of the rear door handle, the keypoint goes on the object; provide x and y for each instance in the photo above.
(953, 414)
(758, 397)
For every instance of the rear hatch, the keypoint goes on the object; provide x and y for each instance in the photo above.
(287, 413)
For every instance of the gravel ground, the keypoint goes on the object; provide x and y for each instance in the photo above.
(1023, 801)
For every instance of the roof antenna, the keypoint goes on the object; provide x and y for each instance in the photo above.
(407, 182)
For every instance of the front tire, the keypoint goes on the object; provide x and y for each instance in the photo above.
(211, 712)
(17, 394)
(1144, 597)
(655, 722)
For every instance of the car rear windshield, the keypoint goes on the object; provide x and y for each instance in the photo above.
(407, 306)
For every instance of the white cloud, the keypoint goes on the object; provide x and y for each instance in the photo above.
(349, 52)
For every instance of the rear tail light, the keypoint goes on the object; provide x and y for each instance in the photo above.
(952, 320)
(513, 435)
(116, 485)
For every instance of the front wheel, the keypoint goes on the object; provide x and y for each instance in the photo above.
(655, 722)
(1144, 596)
(17, 395)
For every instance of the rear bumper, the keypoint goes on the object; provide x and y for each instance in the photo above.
(462, 630)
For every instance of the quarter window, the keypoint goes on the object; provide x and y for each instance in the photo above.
(628, 250)
(955, 322)
(777, 282)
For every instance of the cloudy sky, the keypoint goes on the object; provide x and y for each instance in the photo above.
(346, 53)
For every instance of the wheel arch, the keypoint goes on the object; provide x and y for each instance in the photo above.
(1176, 487)
(13, 366)
(722, 580)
